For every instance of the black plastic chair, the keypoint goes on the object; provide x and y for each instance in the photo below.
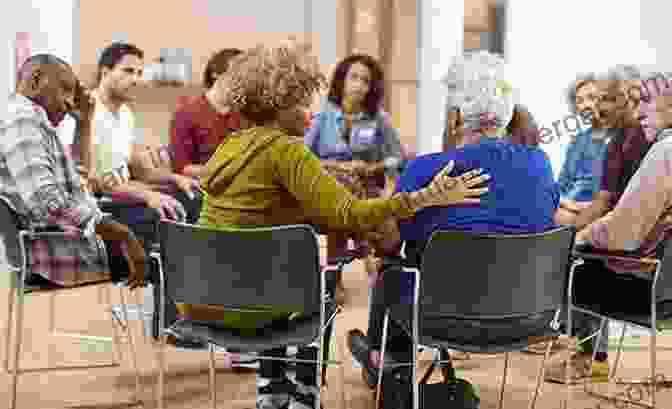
(15, 239)
(642, 309)
(234, 268)
(468, 279)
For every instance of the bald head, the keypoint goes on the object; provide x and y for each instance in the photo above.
(41, 62)
(49, 82)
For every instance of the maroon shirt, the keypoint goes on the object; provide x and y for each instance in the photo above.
(196, 130)
(625, 151)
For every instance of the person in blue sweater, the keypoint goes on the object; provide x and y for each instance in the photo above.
(581, 171)
(523, 197)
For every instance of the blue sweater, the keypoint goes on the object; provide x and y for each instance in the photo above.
(522, 198)
(581, 171)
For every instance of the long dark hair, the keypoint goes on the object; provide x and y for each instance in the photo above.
(374, 97)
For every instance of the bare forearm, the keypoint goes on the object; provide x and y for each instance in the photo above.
(131, 190)
(598, 208)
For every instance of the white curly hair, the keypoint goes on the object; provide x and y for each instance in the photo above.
(477, 83)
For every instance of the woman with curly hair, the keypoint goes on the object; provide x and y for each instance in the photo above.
(265, 176)
(357, 144)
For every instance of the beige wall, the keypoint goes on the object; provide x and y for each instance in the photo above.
(385, 29)
(156, 24)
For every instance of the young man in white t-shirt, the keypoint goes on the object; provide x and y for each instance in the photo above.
(115, 146)
(118, 172)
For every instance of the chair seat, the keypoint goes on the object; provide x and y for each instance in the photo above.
(468, 345)
(460, 337)
(40, 285)
(303, 332)
(640, 318)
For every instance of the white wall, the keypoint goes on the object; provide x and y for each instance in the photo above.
(440, 38)
(53, 27)
(549, 41)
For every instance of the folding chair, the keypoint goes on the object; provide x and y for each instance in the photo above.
(15, 240)
(644, 310)
(498, 281)
(233, 268)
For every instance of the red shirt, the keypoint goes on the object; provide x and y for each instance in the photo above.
(196, 130)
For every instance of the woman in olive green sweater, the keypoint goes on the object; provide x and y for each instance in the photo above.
(262, 176)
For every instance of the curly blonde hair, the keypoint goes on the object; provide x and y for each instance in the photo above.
(264, 81)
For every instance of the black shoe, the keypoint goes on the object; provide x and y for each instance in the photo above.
(276, 395)
(361, 351)
(186, 343)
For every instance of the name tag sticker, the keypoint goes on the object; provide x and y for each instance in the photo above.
(366, 135)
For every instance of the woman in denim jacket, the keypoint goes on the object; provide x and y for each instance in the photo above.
(356, 142)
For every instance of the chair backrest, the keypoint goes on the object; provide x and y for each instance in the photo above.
(469, 275)
(9, 234)
(664, 284)
(235, 268)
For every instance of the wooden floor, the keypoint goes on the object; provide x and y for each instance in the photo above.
(187, 380)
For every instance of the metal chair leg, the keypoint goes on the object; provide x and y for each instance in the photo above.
(17, 346)
(131, 344)
(161, 359)
(501, 392)
(341, 369)
(212, 376)
(540, 375)
(654, 385)
(10, 320)
(618, 352)
(106, 299)
(381, 361)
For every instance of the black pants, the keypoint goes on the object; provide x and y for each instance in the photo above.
(144, 223)
(305, 372)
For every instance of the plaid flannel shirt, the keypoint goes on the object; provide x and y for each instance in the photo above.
(39, 181)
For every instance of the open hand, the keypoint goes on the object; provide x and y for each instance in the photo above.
(131, 248)
(445, 190)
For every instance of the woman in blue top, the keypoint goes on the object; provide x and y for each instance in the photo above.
(356, 143)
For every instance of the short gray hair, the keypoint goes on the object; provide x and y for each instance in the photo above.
(624, 72)
(570, 92)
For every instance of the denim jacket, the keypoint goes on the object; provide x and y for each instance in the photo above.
(582, 170)
(372, 139)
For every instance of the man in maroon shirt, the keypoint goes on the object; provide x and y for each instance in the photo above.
(196, 128)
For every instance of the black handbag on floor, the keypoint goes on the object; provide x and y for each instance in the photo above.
(451, 393)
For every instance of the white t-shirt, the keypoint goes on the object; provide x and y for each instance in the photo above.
(113, 135)
(66, 130)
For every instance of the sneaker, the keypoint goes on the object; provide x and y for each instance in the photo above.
(304, 397)
(361, 351)
(581, 367)
(276, 395)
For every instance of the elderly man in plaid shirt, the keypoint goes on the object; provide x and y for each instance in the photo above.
(39, 181)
